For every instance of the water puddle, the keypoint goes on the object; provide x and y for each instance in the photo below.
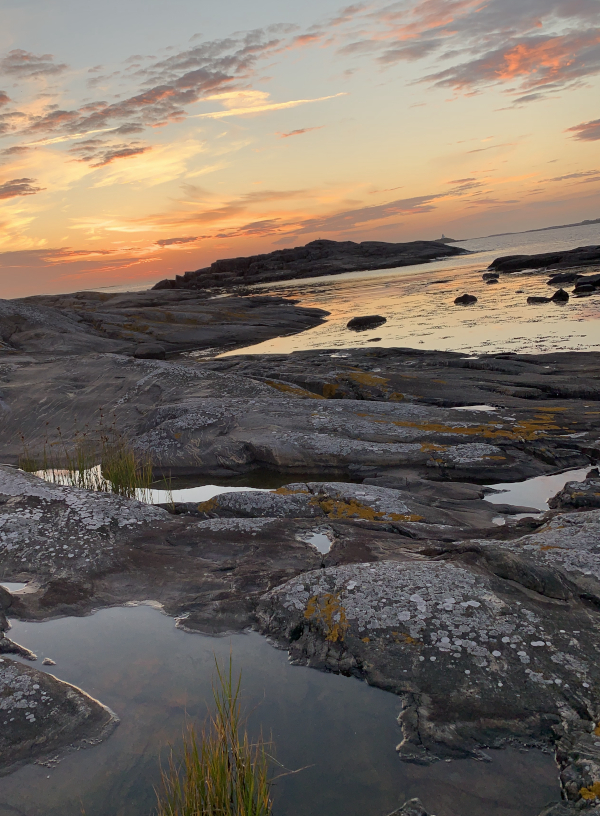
(486, 408)
(156, 677)
(320, 539)
(534, 492)
(12, 586)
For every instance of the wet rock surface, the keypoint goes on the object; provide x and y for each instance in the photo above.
(40, 714)
(488, 634)
(141, 322)
(318, 258)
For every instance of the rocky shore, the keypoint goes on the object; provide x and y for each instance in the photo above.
(486, 632)
(318, 258)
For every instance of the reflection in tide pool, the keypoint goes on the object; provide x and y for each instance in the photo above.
(418, 302)
(154, 676)
(535, 492)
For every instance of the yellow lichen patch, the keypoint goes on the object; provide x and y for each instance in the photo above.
(208, 506)
(593, 792)
(296, 390)
(328, 611)
(597, 730)
(364, 378)
(330, 390)
(285, 491)
(547, 547)
(526, 429)
(497, 458)
(396, 396)
(338, 509)
(430, 446)
(441, 382)
(366, 640)
(411, 641)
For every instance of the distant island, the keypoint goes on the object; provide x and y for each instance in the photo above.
(543, 229)
(446, 240)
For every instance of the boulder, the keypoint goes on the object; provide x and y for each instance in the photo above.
(150, 351)
(578, 495)
(465, 300)
(366, 322)
(560, 296)
(490, 276)
(492, 280)
(534, 299)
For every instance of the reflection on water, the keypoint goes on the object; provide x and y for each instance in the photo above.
(154, 676)
(535, 492)
(12, 586)
(418, 303)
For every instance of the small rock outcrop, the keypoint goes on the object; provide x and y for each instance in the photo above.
(465, 300)
(366, 322)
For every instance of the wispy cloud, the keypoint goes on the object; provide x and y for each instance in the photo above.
(99, 153)
(298, 132)
(587, 131)
(267, 107)
(24, 64)
(19, 187)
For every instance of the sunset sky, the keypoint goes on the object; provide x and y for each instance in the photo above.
(143, 139)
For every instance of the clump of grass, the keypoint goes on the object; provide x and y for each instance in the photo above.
(104, 461)
(222, 772)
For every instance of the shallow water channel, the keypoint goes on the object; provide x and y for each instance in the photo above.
(155, 677)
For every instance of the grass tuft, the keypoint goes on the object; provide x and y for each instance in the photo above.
(222, 772)
(104, 461)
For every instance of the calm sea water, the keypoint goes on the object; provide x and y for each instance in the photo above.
(418, 303)
(342, 732)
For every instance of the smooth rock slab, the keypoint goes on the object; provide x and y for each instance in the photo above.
(39, 714)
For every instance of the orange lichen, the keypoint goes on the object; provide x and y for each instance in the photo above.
(296, 390)
(430, 446)
(593, 792)
(363, 378)
(208, 506)
(338, 509)
(525, 429)
(328, 611)
(285, 491)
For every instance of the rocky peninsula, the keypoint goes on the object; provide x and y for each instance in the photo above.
(488, 633)
(316, 259)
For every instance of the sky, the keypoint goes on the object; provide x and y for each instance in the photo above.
(139, 140)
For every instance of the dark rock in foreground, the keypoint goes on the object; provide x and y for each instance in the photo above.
(582, 256)
(145, 324)
(316, 259)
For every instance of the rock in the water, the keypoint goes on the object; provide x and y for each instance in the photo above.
(366, 322)
(465, 300)
(581, 256)
(39, 714)
(584, 289)
(535, 299)
(492, 280)
(490, 276)
(150, 351)
(560, 296)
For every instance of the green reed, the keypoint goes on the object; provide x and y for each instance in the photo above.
(222, 772)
